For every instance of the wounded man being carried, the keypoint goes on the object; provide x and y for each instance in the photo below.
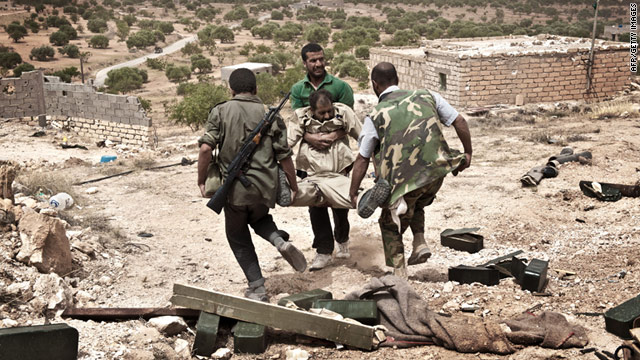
(326, 157)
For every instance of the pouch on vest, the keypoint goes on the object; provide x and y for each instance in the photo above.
(214, 176)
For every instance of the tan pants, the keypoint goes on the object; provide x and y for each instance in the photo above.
(326, 189)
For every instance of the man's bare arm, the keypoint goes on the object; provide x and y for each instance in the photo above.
(357, 174)
(462, 129)
(204, 159)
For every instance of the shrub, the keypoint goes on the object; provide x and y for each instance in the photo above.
(156, 63)
(141, 39)
(317, 33)
(67, 74)
(42, 53)
(348, 65)
(9, 59)
(24, 67)
(191, 48)
(97, 26)
(201, 63)
(59, 38)
(194, 108)
(125, 79)
(177, 73)
(16, 31)
(277, 15)
(362, 52)
(247, 24)
(71, 51)
(99, 42)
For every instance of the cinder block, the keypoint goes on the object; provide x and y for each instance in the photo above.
(42, 342)
(249, 338)
(364, 311)
(619, 320)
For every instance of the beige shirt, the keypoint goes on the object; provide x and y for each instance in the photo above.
(337, 157)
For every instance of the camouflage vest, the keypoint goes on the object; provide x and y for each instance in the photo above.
(412, 151)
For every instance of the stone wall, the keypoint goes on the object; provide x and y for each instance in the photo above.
(499, 79)
(96, 115)
(22, 97)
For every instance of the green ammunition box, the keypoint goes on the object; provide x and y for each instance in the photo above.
(305, 299)
(469, 274)
(206, 334)
(41, 342)
(462, 239)
(534, 277)
(249, 338)
(619, 320)
(364, 311)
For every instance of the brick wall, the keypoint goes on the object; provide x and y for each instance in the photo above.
(543, 78)
(99, 116)
(498, 79)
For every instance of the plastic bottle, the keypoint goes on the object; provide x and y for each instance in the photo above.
(61, 201)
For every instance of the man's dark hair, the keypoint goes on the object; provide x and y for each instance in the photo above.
(320, 96)
(242, 80)
(384, 74)
(311, 47)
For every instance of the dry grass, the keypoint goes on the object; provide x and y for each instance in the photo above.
(109, 236)
(48, 183)
(612, 109)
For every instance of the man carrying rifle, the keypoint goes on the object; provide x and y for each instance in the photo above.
(227, 128)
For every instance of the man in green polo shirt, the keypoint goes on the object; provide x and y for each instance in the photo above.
(317, 78)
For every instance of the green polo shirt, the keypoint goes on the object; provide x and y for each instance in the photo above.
(340, 90)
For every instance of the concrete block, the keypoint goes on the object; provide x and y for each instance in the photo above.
(42, 342)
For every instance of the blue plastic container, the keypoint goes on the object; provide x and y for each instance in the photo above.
(108, 158)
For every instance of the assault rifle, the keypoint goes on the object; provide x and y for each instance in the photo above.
(242, 159)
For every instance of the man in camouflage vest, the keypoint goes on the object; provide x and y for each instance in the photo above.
(412, 158)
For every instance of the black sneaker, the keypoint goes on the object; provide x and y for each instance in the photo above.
(283, 198)
(374, 198)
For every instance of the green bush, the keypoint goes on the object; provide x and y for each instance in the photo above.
(348, 65)
(125, 79)
(247, 24)
(194, 108)
(99, 42)
(141, 39)
(70, 31)
(16, 31)
(201, 63)
(177, 73)
(277, 15)
(70, 50)
(237, 13)
(97, 26)
(24, 67)
(191, 48)
(317, 33)
(42, 53)
(362, 52)
(9, 59)
(67, 74)
(59, 38)
(156, 63)
(271, 88)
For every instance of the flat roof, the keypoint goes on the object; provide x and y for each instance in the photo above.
(508, 45)
(248, 65)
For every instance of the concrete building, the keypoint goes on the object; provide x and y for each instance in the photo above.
(257, 68)
(613, 32)
(510, 70)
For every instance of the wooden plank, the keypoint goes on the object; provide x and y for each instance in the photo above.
(106, 314)
(297, 321)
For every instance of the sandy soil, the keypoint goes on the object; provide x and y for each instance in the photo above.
(554, 222)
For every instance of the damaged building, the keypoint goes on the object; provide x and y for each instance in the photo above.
(511, 70)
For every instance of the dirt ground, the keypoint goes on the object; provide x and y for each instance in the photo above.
(554, 222)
